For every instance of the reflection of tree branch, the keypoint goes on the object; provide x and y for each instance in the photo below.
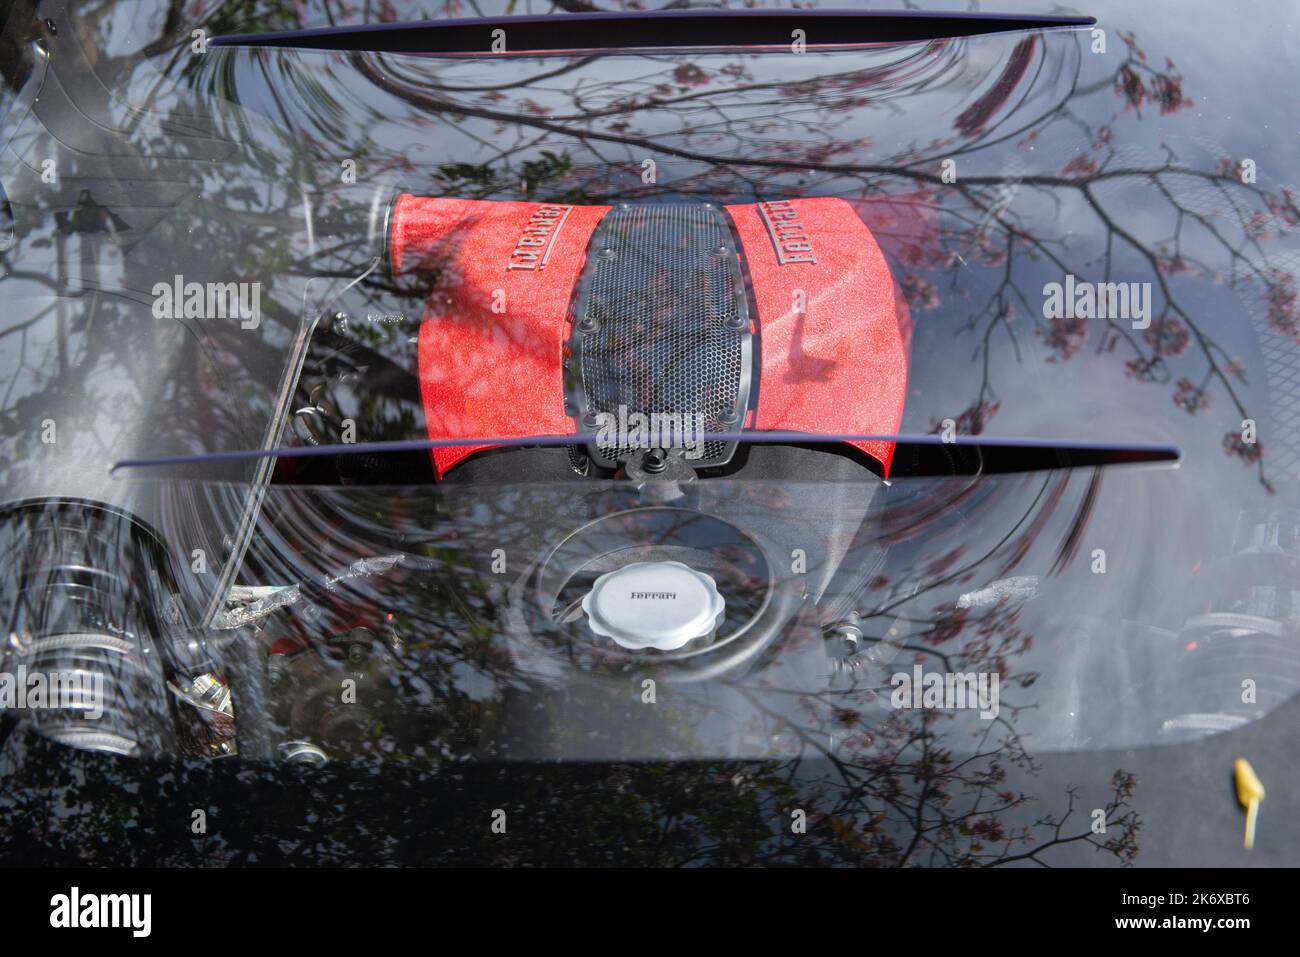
(1124, 846)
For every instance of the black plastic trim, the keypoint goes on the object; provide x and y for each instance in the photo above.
(668, 29)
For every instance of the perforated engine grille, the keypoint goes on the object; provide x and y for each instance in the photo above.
(662, 325)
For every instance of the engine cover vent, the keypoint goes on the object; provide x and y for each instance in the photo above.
(661, 330)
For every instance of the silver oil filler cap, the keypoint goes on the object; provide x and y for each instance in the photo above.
(661, 605)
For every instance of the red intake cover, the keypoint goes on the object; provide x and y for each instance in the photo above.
(495, 324)
(832, 333)
(832, 338)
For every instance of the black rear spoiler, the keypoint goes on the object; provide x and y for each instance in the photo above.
(649, 30)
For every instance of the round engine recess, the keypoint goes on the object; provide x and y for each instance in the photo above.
(663, 586)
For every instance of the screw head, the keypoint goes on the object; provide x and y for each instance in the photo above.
(655, 461)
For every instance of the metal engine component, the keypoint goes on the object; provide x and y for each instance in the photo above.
(210, 698)
(86, 588)
(662, 477)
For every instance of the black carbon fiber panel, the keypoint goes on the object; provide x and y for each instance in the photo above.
(662, 329)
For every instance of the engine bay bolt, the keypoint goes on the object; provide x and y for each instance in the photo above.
(588, 324)
(356, 653)
(848, 632)
(589, 420)
(655, 461)
(735, 321)
(303, 752)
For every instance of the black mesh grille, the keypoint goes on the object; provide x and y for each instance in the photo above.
(663, 287)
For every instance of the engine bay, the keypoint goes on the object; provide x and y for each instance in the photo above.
(451, 456)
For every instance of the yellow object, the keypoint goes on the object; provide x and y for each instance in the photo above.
(1249, 792)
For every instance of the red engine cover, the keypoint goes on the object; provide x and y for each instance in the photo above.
(495, 324)
(833, 334)
(833, 342)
